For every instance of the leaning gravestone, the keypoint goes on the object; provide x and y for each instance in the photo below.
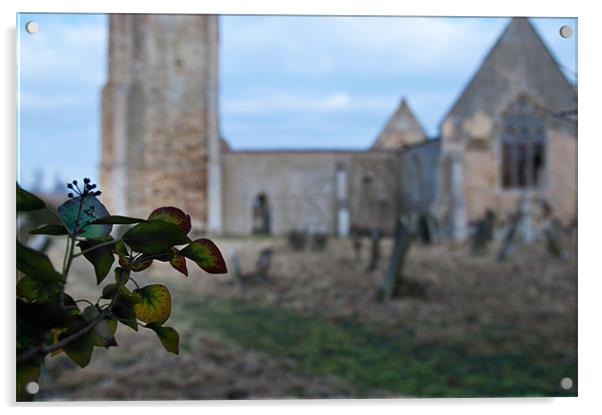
(520, 228)
(375, 250)
(393, 281)
(554, 240)
(264, 262)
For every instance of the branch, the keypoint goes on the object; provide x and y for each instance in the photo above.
(45, 349)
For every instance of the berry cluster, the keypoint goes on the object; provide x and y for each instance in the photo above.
(88, 189)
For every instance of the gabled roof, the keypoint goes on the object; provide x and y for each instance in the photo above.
(519, 62)
(402, 130)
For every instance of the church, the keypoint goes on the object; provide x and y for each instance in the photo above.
(510, 135)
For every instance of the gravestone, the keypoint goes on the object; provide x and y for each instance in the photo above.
(393, 281)
(297, 239)
(427, 228)
(554, 239)
(234, 266)
(375, 237)
(483, 233)
(520, 229)
(319, 241)
(264, 262)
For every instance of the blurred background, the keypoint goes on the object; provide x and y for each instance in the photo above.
(395, 197)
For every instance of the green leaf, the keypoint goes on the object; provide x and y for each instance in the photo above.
(170, 339)
(37, 290)
(27, 202)
(120, 249)
(121, 276)
(116, 220)
(207, 256)
(178, 262)
(109, 291)
(80, 349)
(102, 333)
(153, 303)
(78, 213)
(36, 264)
(101, 257)
(172, 215)
(138, 266)
(124, 311)
(26, 372)
(49, 230)
(154, 237)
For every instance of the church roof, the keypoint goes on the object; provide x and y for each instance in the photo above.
(519, 62)
(402, 130)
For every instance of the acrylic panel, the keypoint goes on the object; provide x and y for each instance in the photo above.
(294, 207)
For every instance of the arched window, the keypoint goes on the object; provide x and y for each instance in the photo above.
(523, 140)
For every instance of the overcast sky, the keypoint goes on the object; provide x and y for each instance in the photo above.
(285, 81)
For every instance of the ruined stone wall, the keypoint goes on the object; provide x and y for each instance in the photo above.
(300, 188)
(168, 117)
(483, 168)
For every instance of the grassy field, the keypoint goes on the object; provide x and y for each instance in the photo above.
(314, 330)
(366, 356)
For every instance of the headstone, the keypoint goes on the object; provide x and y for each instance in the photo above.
(393, 280)
(483, 233)
(319, 241)
(510, 237)
(297, 239)
(264, 261)
(427, 228)
(554, 239)
(520, 229)
(234, 267)
(375, 250)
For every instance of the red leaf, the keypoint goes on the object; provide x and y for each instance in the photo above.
(172, 215)
(207, 256)
(178, 262)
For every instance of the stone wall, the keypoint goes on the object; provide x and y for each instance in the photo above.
(160, 114)
(300, 188)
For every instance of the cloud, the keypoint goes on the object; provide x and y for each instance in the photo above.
(279, 102)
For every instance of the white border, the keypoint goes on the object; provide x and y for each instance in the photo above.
(590, 212)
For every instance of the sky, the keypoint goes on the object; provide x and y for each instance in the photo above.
(285, 81)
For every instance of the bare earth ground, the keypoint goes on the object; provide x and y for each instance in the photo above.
(315, 330)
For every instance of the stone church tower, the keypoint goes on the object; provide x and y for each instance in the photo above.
(160, 138)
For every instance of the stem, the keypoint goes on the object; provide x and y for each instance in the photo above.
(67, 266)
(135, 283)
(84, 301)
(70, 249)
(85, 251)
